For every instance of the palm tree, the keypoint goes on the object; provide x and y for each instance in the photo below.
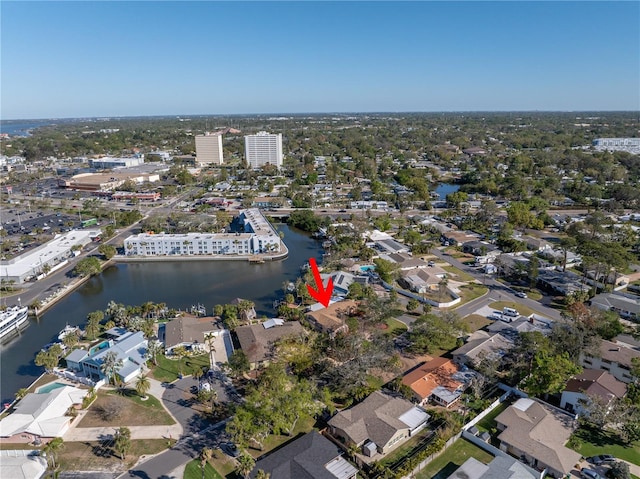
(181, 352)
(142, 386)
(22, 392)
(153, 349)
(245, 464)
(209, 339)
(111, 364)
(122, 442)
(260, 474)
(52, 449)
(205, 455)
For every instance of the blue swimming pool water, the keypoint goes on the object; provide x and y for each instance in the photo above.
(368, 267)
(50, 387)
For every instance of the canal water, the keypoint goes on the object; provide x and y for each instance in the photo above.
(178, 284)
(444, 189)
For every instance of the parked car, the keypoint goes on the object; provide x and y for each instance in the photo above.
(521, 294)
(230, 448)
(590, 474)
(602, 459)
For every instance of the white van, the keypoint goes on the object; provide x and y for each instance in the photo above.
(510, 312)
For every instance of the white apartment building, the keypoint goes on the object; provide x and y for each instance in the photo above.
(209, 149)
(108, 162)
(258, 237)
(263, 148)
(609, 142)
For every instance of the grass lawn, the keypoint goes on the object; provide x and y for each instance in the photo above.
(94, 456)
(406, 448)
(396, 327)
(458, 275)
(168, 369)
(476, 321)
(194, 471)
(222, 463)
(133, 411)
(522, 309)
(596, 441)
(471, 291)
(304, 425)
(452, 458)
(489, 421)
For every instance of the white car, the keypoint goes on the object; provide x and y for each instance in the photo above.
(521, 294)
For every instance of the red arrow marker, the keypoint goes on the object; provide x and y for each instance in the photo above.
(321, 295)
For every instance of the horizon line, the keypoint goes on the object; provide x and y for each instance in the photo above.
(415, 112)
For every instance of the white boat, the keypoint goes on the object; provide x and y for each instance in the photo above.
(66, 331)
(12, 319)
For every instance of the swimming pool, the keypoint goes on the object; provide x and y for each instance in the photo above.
(47, 388)
(367, 267)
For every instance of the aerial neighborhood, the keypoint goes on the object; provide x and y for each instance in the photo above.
(482, 281)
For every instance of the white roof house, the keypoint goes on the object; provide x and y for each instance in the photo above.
(42, 415)
(22, 464)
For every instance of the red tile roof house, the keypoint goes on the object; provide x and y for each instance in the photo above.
(435, 380)
(592, 382)
(536, 433)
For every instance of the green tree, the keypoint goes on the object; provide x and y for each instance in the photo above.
(46, 359)
(87, 267)
(238, 363)
(142, 386)
(246, 463)
(206, 453)
(122, 441)
(111, 364)
(154, 348)
(92, 329)
(51, 451)
(107, 251)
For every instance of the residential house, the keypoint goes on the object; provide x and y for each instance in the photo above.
(405, 261)
(191, 333)
(480, 345)
(614, 358)
(560, 282)
(627, 307)
(378, 424)
(458, 238)
(391, 246)
(422, 280)
(22, 464)
(257, 340)
(332, 319)
(437, 380)
(500, 467)
(311, 456)
(592, 382)
(41, 417)
(536, 433)
(343, 279)
(481, 248)
(246, 314)
(131, 349)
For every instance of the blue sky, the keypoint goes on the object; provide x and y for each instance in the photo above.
(69, 59)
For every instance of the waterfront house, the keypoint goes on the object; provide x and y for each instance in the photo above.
(131, 349)
(536, 433)
(311, 456)
(190, 332)
(378, 424)
(257, 340)
(332, 319)
(41, 417)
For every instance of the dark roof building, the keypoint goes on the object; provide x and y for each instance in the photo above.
(256, 340)
(310, 457)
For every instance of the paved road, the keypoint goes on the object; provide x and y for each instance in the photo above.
(497, 291)
(198, 433)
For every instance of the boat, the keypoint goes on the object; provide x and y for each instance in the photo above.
(11, 319)
(198, 310)
(67, 331)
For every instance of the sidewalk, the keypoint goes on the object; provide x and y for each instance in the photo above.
(137, 432)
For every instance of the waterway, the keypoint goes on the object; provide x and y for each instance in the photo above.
(444, 189)
(178, 284)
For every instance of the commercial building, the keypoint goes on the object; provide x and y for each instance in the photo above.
(108, 162)
(263, 149)
(46, 258)
(209, 149)
(258, 236)
(617, 142)
(105, 181)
